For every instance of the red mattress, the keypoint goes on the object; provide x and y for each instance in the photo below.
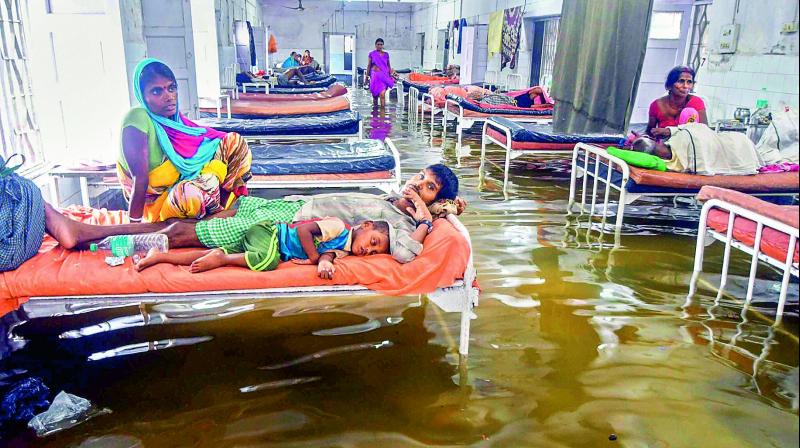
(773, 242)
(270, 108)
(334, 90)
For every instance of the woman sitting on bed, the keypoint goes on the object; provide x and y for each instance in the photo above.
(428, 195)
(678, 106)
(170, 167)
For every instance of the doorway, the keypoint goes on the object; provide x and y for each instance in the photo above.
(170, 40)
(666, 48)
(441, 51)
(544, 35)
(339, 51)
(421, 48)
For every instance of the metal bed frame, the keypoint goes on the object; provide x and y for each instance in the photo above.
(586, 162)
(460, 297)
(511, 154)
(463, 123)
(787, 266)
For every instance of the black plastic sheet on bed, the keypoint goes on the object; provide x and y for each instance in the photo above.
(364, 156)
(468, 105)
(543, 133)
(336, 123)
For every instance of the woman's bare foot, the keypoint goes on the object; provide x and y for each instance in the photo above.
(213, 259)
(153, 257)
(60, 227)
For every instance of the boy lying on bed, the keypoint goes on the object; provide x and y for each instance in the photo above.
(430, 194)
(265, 244)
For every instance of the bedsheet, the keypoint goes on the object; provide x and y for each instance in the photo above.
(331, 92)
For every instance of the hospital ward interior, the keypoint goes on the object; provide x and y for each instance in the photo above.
(399, 223)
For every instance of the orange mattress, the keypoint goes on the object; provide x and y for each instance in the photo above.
(58, 272)
(421, 77)
(333, 91)
(472, 114)
(773, 242)
(270, 108)
(756, 183)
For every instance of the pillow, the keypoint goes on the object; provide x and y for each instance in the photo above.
(639, 159)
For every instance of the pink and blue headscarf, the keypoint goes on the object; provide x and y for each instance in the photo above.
(188, 146)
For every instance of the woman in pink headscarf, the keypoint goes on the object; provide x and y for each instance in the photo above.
(379, 73)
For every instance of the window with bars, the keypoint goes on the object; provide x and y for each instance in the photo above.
(19, 132)
(549, 41)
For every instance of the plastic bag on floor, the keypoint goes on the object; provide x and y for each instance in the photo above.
(66, 411)
(23, 400)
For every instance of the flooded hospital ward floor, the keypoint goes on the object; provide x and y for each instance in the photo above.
(577, 342)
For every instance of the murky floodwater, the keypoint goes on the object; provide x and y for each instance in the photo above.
(576, 338)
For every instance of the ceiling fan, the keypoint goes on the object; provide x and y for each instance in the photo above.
(299, 6)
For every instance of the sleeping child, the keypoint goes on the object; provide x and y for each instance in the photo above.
(316, 241)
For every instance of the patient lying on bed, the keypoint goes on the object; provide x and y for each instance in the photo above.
(696, 149)
(264, 245)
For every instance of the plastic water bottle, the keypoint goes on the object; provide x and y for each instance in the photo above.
(128, 245)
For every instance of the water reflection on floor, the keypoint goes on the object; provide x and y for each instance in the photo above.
(576, 338)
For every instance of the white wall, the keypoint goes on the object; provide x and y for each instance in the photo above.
(429, 18)
(206, 54)
(729, 81)
(227, 11)
(79, 78)
(303, 30)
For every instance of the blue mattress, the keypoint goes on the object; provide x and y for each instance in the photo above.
(423, 88)
(543, 133)
(364, 156)
(336, 123)
(485, 110)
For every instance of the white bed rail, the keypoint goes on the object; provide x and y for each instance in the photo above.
(413, 106)
(429, 102)
(490, 78)
(514, 81)
(787, 265)
(586, 163)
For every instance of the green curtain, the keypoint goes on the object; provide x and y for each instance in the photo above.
(601, 48)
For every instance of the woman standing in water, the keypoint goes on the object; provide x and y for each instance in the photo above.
(379, 73)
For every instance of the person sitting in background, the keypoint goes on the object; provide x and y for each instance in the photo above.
(306, 59)
(264, 245)
(666, 111)
(536, 96)
(293, 77)
(696, 149)
(291, 61)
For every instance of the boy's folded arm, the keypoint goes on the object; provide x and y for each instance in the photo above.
(306, 233)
